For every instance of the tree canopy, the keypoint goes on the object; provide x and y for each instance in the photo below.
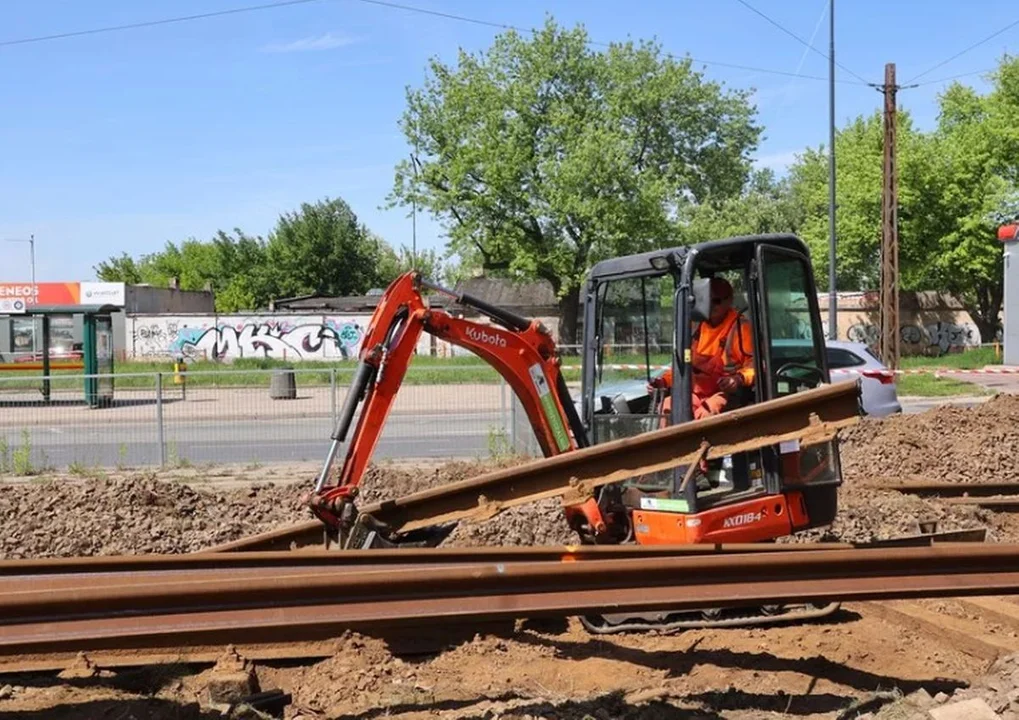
(541, 156)
(957, 184)
(321, 248)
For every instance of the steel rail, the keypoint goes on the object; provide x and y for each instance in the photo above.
(207, 589)
(948, 489)
(410, 556)
(811, 417)
(217, 610)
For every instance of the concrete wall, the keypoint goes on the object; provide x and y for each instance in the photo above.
(930, 323)
(226, 337)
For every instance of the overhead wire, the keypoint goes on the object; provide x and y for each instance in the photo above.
(796, 37)
(379, 3)
(963, 52)
(952, 77)
(153, 23)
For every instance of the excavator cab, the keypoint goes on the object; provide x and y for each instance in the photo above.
(641, 313)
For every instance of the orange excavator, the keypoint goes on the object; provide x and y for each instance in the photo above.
(657, 298)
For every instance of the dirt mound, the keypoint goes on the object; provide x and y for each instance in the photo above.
(134, 515)
(953, 444)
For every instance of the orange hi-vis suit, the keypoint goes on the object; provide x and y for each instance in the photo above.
(718, 351)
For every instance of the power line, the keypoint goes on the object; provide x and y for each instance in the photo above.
(517, 28)
(952, 77)
(796, 37)
(965, 50)
(151, 23)
(380, 3)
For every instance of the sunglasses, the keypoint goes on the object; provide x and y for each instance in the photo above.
(719, 300)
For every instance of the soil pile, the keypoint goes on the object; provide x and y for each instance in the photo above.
(134, 515)
(949, 444)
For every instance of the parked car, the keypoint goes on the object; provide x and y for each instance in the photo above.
(846, 361)
(852, 360)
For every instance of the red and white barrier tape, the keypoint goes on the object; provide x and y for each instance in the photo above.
(845, 371)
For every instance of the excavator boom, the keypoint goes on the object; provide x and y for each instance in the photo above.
(521, 350)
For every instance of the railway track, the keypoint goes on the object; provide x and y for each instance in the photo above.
(106, 604)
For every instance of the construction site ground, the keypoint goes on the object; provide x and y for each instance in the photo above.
(896, 660)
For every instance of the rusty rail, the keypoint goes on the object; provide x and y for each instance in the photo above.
(811, 417)
(927, 488)
(267, 560)
(40, 614)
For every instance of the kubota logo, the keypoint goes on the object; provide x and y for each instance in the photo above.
(743, 519)
(487, 338)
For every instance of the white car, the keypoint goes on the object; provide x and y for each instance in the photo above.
(852, 360)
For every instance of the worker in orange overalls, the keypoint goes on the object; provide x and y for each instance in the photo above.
(722, 356)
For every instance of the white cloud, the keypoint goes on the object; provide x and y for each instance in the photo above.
(328, 41)
(779, 162)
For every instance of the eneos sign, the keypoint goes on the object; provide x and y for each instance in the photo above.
(46, 293)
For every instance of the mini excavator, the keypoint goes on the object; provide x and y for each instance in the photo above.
(656, 298)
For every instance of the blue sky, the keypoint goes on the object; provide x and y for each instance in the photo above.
(122, 141)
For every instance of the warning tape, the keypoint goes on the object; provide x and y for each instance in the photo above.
(842, 371)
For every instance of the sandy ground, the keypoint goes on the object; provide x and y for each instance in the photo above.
(867, 658)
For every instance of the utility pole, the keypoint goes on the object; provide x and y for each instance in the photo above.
(833, 326)
(414, 214)
(889, 349)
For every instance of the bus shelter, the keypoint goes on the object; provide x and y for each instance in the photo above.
(61, 338)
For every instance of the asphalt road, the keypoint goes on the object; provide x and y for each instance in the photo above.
(297, 439)
(444, 435)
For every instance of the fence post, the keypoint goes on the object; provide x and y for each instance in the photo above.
(513, 423)
(502, 403)
(159, 419)
(332, 396)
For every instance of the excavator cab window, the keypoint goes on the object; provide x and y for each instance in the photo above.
(635, 319)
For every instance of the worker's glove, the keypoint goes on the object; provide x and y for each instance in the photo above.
(657, 384)
(730, 383)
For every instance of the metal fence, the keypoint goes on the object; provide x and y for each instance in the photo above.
(231, 416)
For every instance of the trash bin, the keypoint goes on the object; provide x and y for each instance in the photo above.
(283, 384)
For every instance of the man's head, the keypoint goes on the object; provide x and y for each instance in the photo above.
(721, 300)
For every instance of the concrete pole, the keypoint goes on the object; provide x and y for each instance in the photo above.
(1009, 236)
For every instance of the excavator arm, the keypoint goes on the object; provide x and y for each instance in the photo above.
(520, 349)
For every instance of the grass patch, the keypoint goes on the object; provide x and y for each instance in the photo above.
(930, 386)
(971, 359)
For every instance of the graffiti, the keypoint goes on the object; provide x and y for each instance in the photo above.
(948, 335)
(270, 340)
(863, 333)
(229, 338)
(939, 336)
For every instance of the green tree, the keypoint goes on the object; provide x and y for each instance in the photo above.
(321, 248)
(324, 249)
(120, 268)
(543, 156)
(427, 262)
(957, 183)
(767, 205)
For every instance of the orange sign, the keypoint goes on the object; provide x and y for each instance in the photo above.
(45, 293)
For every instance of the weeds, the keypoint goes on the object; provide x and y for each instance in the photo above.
(5, 455)
(499, 445)
(21, 457)
(173, 458)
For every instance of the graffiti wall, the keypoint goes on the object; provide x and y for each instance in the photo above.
(228, 337)
(930, 323)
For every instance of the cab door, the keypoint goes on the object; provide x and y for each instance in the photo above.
(793, 351)
(793, 359)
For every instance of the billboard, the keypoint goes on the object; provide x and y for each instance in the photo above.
(44, 293)
(103, 293)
